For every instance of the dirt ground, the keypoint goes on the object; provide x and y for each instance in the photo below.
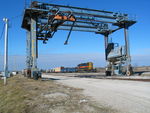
(122, 95)
(22, 95)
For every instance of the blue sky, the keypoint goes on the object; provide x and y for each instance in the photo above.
(82, 46)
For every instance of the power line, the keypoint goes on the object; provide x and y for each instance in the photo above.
(2, 32)
(51, 1)
(14, 17)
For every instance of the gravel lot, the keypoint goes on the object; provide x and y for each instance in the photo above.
(23, 95)
(122, 95)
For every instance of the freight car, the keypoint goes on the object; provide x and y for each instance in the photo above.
(58, 69)
(69, 70)
(86, 67)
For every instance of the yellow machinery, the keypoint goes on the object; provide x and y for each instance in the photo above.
(85, 66)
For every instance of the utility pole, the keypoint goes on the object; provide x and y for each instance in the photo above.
(6, 51)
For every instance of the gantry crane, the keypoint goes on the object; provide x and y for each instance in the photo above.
(42, 20)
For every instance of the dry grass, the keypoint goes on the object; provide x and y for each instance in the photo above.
(22, 95)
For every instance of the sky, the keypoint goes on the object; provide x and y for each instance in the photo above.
(83, 46)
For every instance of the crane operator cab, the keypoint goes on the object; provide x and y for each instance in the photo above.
(116, 58)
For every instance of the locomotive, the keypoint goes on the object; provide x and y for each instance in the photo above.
(86, 67)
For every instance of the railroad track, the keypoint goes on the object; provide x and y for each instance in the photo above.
(115, 77)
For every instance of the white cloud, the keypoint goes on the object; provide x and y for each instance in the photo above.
(69, 60)
(17, 62)
(141, 60)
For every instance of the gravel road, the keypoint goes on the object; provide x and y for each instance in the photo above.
(121, 95)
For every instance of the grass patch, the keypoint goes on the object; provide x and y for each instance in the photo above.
(22, 95)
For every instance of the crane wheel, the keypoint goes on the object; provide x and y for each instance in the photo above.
(128, 73)
(108, 73)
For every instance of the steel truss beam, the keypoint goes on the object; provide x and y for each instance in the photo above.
(90, 20)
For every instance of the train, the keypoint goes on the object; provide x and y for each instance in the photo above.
(88, 67)
(83, 67)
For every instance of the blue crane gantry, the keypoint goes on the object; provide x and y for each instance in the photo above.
(42, 20)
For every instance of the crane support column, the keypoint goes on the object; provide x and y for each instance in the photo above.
(106, 44)
(108, 68)
(34, 70)
(127, 47)
(29, 57)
